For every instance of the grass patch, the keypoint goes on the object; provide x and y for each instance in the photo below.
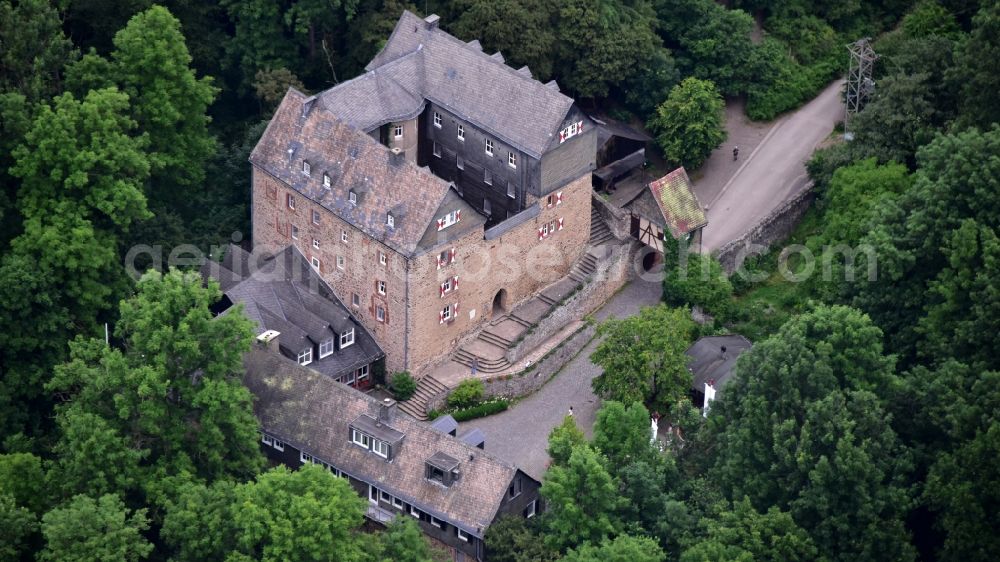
(763, 306)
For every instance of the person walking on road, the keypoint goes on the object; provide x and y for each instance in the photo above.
(736, 153)
(475, 365)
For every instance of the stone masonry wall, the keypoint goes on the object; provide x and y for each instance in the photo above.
(517, 263)
(775, 227)
(618, 220)
(533, 378)
(612, 275)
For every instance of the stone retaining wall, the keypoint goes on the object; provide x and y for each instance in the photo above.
(530, 380)
(613, 272)
(773, 228)
(618, 220)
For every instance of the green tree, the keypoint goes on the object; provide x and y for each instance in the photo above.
(563, 439)
(914, 239)
(689, 123)
(929, 17)
(643, 357)
(151, 63)
(23, 480)
(89, 530)
(198, 522)
(769, 537)
(308, 514)
(468, 393)
(403, 541)
(81, 173)
(513, 538)
(715, 551)
(598, 42)
(695, 279)
(520, 29)
(622, 434)
(35, 49)
(175, 391)
(977, 69)
(623, 548)
(17, 525)
(650, 500)
(806, 431)
(93, 456)
(581, 499)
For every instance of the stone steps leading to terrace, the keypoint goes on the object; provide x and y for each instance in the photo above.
(427, 388)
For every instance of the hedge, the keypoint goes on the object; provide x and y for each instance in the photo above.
(482, 410)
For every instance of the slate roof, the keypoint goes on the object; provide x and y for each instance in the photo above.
(384, 181)
(433, 65)
(284, 293)
(313, 414)
(709, 363)
(677, 203)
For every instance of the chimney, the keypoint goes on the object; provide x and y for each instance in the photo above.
(432, 21)
(387, 411)
(268, 340)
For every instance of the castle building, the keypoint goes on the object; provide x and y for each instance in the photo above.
(440, 188)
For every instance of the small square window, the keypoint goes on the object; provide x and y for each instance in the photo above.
(306, 168)
(356, 300)
(295, 232)
(397, 503)
(385, 496)
(347, 338)
(325, 348)
(316, 243)
(352, 198)
(437, 119)
(437, 150)
(343, 236)
(380, 448)
(279, 445)
(389, 220)
(436, 522)
(266, 439)
(487, 177)
(511, 191)
(398, 131)
(489, 147)
(341, 262)
(381, 287)
(315, 263)
(382, 258)
(487, 207)
(380, 313)
(291, 201)
(512, 160)
(326, 180)
(315, 215)
(529, 511)
(460, 163)
(462, 535)
(461, 132)
(414, 512)
(305, 356)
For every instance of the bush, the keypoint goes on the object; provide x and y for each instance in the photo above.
(700, 282)
(403, 385)
(468, 393)
(484, 409)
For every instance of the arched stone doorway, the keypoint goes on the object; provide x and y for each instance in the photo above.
(652, 261)
(499, 304)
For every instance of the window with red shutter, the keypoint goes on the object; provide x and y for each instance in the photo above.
(559, 198)
(559, 224)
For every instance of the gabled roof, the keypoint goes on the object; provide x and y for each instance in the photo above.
(712, 359)
(677, 203)
(313, 414)
(285, 294)
(384, 181)
(433, 65)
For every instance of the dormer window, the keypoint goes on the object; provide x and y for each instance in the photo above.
(461, 132)
(441, 468)
(512, 160)
(489, 147)
(326, 180)
(306, 168)
(390, 221)
(352, 197)
(325, 347)
(347, 338)
(376, 435)
(398, 131)
(437, 119)
(449, 219)
(306, 356)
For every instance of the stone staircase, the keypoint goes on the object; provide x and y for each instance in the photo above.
(427, 388)
(600, 234)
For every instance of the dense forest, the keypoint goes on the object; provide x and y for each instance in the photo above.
(861, 426)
